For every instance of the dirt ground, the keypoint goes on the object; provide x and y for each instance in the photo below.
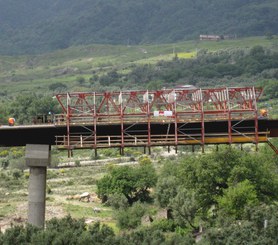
(20, 216)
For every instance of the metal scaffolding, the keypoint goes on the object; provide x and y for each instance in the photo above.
(164, 117)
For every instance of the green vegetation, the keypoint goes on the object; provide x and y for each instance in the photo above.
(133, 183)
(230, 194)
(250, 61)
(227, 197)
(39, 26)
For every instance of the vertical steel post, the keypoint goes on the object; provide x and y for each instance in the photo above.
(176, 119)
(68, 125)
(149, 122)
(122, 122)
(256, 119)
(95, 125)
(229, 118)
(202, 122)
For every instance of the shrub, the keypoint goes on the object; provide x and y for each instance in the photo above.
(4, 153)
(164, 225)
(5, 163)
(17, 173)
(118, 201)
(130, 218)
(77, 163)
(57, 86)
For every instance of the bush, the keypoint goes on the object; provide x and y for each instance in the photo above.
(80, 80)
(164, 225)
(118, 201)
(77, 163)
(17, 173)
(18, 164)
(57, 86)
(4, 153)
(130, 218)
(5, 163)
(19, 235)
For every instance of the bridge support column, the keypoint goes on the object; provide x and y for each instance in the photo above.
(37, 159)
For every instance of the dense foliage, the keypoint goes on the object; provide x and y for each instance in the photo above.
(71, 231)
(230, 67)
(25, 107)
(133, 183)
(226, 196)
(38, 26)
(207, 69)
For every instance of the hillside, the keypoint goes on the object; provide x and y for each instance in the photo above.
(246, 61)
(37, 26)
(81, 68)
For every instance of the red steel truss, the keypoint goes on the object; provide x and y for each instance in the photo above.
(175, 107)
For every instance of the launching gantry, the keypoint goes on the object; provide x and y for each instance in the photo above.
(168, 117)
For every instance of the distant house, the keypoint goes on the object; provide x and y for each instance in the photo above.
(211, 37)
(217, 37)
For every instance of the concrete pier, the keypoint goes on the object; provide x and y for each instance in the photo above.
(37, 159)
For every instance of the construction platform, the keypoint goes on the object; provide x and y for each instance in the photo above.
(82, 136)
(150, 118)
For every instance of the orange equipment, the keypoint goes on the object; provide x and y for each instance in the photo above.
(11, 121)
(263, 112)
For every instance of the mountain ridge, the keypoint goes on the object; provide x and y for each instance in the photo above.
(36, 26)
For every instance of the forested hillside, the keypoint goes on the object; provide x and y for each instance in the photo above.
(36, 26)
(242, 62)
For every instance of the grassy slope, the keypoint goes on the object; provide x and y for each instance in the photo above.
(36, 73)
(63, 183)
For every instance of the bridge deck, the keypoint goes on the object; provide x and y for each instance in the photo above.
(113, 135)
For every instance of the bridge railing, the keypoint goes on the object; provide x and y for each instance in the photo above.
(90, 141)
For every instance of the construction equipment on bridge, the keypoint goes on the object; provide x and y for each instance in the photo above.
(263, 113)
(168, 117)
(11, 121)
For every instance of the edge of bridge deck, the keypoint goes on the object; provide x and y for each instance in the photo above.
(21, 135)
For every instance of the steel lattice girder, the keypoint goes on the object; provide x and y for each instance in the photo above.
(217, 100)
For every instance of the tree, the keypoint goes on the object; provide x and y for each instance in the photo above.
(258, 226)
(237, 197)
(260, 169)
(133, 183)
(208, 175)
(166, 190)
(26, 106)
(185, 207)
